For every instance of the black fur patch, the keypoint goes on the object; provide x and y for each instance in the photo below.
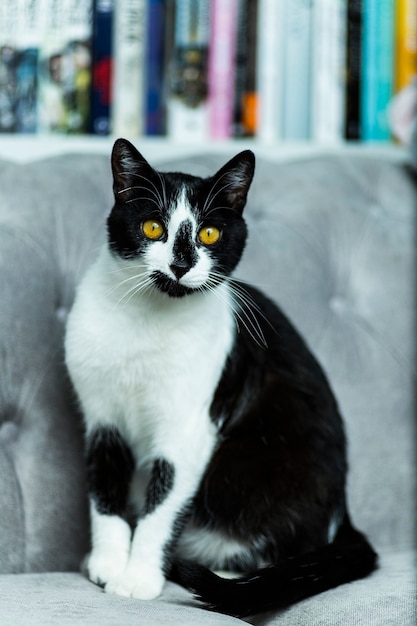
(281, 460)
(184, 250)
(110, 465)
(171, 287)
(160, 484)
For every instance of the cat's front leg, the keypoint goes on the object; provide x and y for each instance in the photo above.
(110, 466)
(171, 487)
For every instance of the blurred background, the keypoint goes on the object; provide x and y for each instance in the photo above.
(322, 71)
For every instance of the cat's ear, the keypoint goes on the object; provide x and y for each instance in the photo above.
(235, 178)
(130, 170)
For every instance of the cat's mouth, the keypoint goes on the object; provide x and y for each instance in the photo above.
(172, 288)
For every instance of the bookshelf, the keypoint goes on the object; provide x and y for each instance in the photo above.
(171, 75)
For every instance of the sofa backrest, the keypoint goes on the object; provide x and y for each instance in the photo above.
(332, 239)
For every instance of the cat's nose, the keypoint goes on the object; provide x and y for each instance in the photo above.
(179, 268)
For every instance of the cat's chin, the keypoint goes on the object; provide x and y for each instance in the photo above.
(172, 288)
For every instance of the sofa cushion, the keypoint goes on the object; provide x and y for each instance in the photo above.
(387, 598)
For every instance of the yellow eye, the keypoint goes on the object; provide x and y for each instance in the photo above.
(209, 235)
(152, 229)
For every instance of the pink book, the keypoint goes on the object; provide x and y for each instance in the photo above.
(221, 67)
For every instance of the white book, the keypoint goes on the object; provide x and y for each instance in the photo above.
(128, 81)
(186, 124)
(187, 105)
(296, 89)
(328, 70)
(65, 65)
(269, 70)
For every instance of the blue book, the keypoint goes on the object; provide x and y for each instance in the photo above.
(102, 51)
(377, 68)
(27, 90)
(154, 70)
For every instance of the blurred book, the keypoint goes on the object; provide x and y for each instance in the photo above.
(221, 67)
(296, 79)
(102, 62)
(130, 36)
(20, 37)
(405, 43)
(328, 55)
(65, 66)
(188, 72)
(377, 69)
(155, 68)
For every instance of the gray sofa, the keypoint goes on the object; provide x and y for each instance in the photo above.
(332, 238)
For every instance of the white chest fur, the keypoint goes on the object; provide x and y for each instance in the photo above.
(147, 363)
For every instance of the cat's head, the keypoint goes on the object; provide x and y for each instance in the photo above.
(187, 232)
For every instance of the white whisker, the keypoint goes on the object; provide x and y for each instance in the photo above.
(139, 287)
(217, 208)
(210, 194)
(245, 308)
(136, 199)
(163, 186)
(123, 282)
(247, 299)
(240, 315)
(155, 190)
(132, 266)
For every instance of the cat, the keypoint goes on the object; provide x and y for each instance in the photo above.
(213, 439)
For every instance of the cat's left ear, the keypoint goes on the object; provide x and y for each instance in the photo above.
(130, 170)
(235, 178)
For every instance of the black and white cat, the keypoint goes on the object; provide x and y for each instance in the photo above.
(213, 439)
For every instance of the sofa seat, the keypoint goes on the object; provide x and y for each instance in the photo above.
(65, 599)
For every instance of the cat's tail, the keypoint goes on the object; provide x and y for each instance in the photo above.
(348, 558)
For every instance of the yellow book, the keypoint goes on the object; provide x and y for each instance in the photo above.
(405, 69)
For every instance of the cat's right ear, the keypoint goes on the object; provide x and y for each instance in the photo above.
(130, 170)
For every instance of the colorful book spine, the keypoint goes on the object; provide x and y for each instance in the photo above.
(296, 91)
(328, 53)
(406, 43)
(221, 69)
(65, 67)
(155, 65)
(270, 66)
(101, 92)
(353, 70)
(187, 101)
(240, 67)
(8, 56)
(130, 28)
(377, 68)
(250, 104)
(20, 36)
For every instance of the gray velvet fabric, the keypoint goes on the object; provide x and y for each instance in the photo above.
(388, 597)
(332, 239)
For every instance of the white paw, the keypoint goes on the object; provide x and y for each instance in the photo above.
(132, 583)
(102, 566)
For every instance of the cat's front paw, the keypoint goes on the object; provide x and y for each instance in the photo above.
(102, 566)
(141, 584)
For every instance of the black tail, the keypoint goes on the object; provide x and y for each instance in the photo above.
(348, 558)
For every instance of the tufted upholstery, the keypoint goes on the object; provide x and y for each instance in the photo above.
(332, 239)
